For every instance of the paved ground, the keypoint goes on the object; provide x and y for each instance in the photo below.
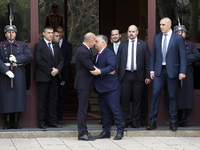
(127, 143)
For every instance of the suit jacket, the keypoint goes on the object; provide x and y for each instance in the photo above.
(45, 62)
(84, 64)
(176, 61)
(106, 63)
(142, 60)
(66, 50)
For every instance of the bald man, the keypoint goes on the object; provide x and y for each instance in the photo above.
(132, 61)
(84, 83)
(167, 66)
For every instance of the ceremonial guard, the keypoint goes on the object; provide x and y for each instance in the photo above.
(13, 56)
(54, 20)
(186, 91)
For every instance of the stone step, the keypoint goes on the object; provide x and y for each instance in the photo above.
(70, 130)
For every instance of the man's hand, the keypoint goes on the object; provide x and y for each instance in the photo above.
(62, 83)
(152, 76)
(181, 76)
(12, 58)
(113, 72)
(96, 71)
(54, 72)
(10, 74)
(147, 81)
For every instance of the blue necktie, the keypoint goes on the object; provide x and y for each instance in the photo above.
(116, 48)
(51, 49)
(132, 57)
(164, 48)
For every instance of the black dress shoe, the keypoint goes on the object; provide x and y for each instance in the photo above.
(103, 135)
(183, 123)
(173, 126)
(8, 125)
(134, 124)
(86, 137)
(118, 136)
(42, 126)
(151, 126)
(59, 121)
(16, 125)
(55, 125)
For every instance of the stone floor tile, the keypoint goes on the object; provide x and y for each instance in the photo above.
(52, 141)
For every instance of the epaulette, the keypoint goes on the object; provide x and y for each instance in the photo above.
(190, 41)
(0, 41)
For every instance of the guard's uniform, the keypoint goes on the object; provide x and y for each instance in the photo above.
(54, 20)
(13, 99)
(186, 92)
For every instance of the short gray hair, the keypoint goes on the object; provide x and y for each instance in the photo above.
(104, 38)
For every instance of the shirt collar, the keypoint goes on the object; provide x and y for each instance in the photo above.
(102, 50)
(169, 33)
(47, 41)
(130, 41)
(86, 45)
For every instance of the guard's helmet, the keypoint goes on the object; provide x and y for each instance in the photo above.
(179, 28)
(10, 27)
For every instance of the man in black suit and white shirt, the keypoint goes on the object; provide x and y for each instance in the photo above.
(133, 60)
(49, 62)
(66, 49)
(84, 83)
(115, 36)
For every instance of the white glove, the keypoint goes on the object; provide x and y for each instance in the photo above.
(12, 58)
(10, 74)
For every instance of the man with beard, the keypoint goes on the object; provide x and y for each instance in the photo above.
(115, 37)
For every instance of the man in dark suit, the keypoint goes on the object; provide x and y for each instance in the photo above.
(49, 62)
(84, 83)
(66, 49)
(115, 36)
(133, 60)
(168, 65)
(108, 87)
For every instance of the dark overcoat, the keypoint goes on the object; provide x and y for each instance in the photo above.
(13, 99)
(186, 92)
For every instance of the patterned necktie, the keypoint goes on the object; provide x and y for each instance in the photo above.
(116, 48)
(132, 57)
(51, 49)
(164, 48)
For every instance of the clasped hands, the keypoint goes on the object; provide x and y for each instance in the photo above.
(54, 72)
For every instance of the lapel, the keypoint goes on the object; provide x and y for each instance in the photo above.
(100, 56)
(125, 52)
(138, 48)
(171, 41)
(159, 41)
(47, 50)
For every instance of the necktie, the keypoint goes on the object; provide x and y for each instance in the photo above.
(98, 55)
(51, 49)
(116, 48)
(164, 48)
(132, 57)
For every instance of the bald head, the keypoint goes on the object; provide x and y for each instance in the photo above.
(165, 25)
(132, 32)
(89, 39)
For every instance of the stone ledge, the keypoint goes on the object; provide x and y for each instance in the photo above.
(127, 133)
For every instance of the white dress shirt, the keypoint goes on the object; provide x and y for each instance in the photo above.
(128, 65)
(168, 36)
(50, 45)
(115, 50)
(60, 42)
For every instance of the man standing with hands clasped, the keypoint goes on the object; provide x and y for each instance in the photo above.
(49, 62)
(168, 65)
